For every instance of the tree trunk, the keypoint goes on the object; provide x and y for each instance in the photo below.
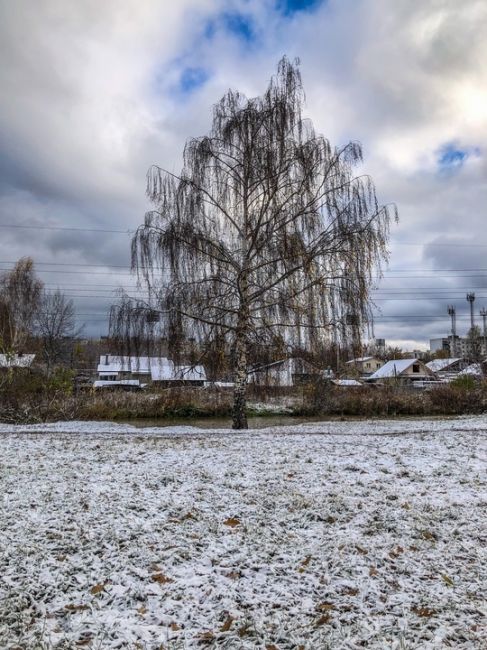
(239, 417)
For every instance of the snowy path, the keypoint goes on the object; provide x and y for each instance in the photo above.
(372, 535)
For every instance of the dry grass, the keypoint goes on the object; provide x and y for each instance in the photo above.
(34, 402)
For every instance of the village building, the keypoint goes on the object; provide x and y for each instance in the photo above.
(473, 370)
(447, 369)
(139, 371)
(287, 372)
(403, 371)
(457, 345)
(365, 365)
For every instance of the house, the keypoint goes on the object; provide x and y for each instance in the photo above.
(403, 371)
(473, 370)
(452, 364)
(156, 370)
(16, 360)
(447, 369)
(365, 365)
(287, 372)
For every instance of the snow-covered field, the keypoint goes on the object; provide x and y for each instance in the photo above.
(332, 535)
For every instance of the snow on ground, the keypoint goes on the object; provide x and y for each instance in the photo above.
(332, 535)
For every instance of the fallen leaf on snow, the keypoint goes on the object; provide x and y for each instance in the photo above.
(75, 608)
(424, 612)
(324, 607)
(350, 591)
(323, 620)
(232, 522)
(447, 580)
(227, 624)
(160, 578)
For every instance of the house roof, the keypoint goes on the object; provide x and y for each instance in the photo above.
(473, 369)
(121, 382)
(441, 364)
(393, 368)
(159, 368)
(139, 365)
(360, 360)
(16, 360)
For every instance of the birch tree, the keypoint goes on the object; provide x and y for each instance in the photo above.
(20, 295)
(266, 234)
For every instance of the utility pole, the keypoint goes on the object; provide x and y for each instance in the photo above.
(483, 313)
(471, 300)
(452, 312)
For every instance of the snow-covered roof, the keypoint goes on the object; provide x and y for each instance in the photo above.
(140, 365)
(393, 368)
(474, 369)
(121, 382)
(346, 382)
(16, 360)
(441, 364)
(360, 360)
(159, 368)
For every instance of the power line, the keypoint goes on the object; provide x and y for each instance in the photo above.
(128, 231)
(128, 273)
(126, 266)
(106, 230)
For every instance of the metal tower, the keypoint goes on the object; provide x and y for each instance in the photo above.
(471, 300)
(483, 313)
(453, 313)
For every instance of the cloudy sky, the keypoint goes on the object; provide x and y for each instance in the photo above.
(95, 92)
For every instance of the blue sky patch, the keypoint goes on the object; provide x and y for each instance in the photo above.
(290, 7)
(237, 24)
(193, 78)
(451, 156)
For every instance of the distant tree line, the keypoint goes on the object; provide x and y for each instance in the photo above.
(34, 319)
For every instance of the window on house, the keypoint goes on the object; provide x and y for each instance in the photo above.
(415, 367)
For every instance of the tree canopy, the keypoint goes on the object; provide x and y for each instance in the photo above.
(266, 236)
